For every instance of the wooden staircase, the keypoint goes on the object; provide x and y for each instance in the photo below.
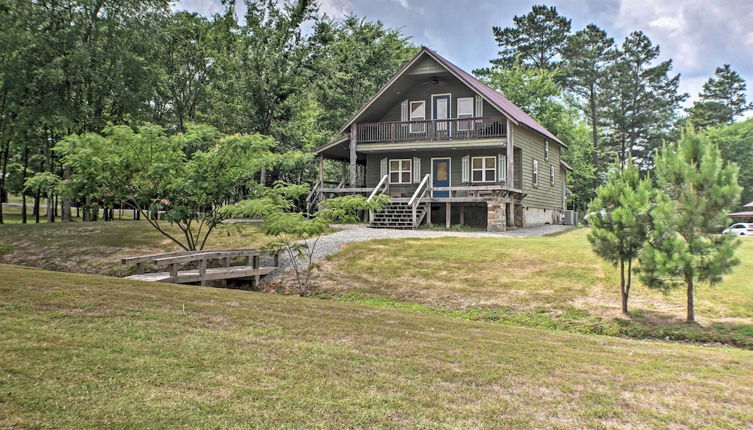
(399, 215)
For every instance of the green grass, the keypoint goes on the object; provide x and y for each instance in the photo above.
(546, 282)
(97, 247)
(86, 351)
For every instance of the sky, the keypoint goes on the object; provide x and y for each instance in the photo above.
(698, 35)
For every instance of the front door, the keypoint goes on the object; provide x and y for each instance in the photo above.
(440, 176)
(440, 104)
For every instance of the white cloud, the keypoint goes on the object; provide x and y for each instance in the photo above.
(336, 8)
(203, 7)
(669, 23)
(698, 35)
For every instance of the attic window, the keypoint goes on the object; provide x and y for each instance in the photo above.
(546, 150)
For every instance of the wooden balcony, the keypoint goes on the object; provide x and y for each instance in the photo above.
(434, 129)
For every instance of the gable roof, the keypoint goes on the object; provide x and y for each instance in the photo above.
(516, 114)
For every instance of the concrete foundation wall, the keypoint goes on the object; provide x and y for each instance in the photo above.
(536, 216)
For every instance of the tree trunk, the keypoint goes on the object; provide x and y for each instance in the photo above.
(23, 207)
(37, 205)
(3, 172)
(50, 209)
(66, 206)
(23, 179)
(691, 305)
(623, 289)
(594, 138)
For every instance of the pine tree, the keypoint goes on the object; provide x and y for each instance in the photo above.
(696, 191)
(587, 56)
(642, 100)
(721, 100)
(619, 218)
(536, 39)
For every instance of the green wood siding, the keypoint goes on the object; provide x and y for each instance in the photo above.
(456, 159)
(545, 195)
(454, 87)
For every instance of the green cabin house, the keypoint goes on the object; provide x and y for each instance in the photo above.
(448, 150)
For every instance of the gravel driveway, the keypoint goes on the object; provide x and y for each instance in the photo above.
(331, 243)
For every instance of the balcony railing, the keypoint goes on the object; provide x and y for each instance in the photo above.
(433, 129)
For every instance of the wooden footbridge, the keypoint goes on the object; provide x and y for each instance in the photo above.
(201, 266)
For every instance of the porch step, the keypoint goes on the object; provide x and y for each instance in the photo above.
(398, 215)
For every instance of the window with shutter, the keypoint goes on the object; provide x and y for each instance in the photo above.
(404, 110)
(535, 175)
(483, 169)
(546, 150)
(465, 110)
(418, 113)
(400, 171)
(416, 170)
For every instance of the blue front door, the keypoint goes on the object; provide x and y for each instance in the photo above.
(440, 176)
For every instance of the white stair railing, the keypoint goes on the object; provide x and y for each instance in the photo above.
(418, 196)
(382, 187)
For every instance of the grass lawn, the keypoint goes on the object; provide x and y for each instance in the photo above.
(97, 247)
(87, 351)
(554, 282)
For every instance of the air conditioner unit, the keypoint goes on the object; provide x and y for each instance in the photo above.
(571, 217)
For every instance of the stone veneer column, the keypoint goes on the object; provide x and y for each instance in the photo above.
(496, 216)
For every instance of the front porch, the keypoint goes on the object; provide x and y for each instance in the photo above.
(446, 205)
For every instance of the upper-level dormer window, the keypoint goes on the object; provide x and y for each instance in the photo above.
(417, 113)
(465, 110)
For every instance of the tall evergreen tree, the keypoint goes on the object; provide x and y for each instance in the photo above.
(620, 220)
(721, 100)
(536, 39)
(736, 144)
(587, 56)
(696, 191)
(642, 100)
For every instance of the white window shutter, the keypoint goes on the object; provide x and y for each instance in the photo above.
(383, 168)
(416, 170)
(502, 167)
(404, 110)
(479, 109)
(466, 168)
